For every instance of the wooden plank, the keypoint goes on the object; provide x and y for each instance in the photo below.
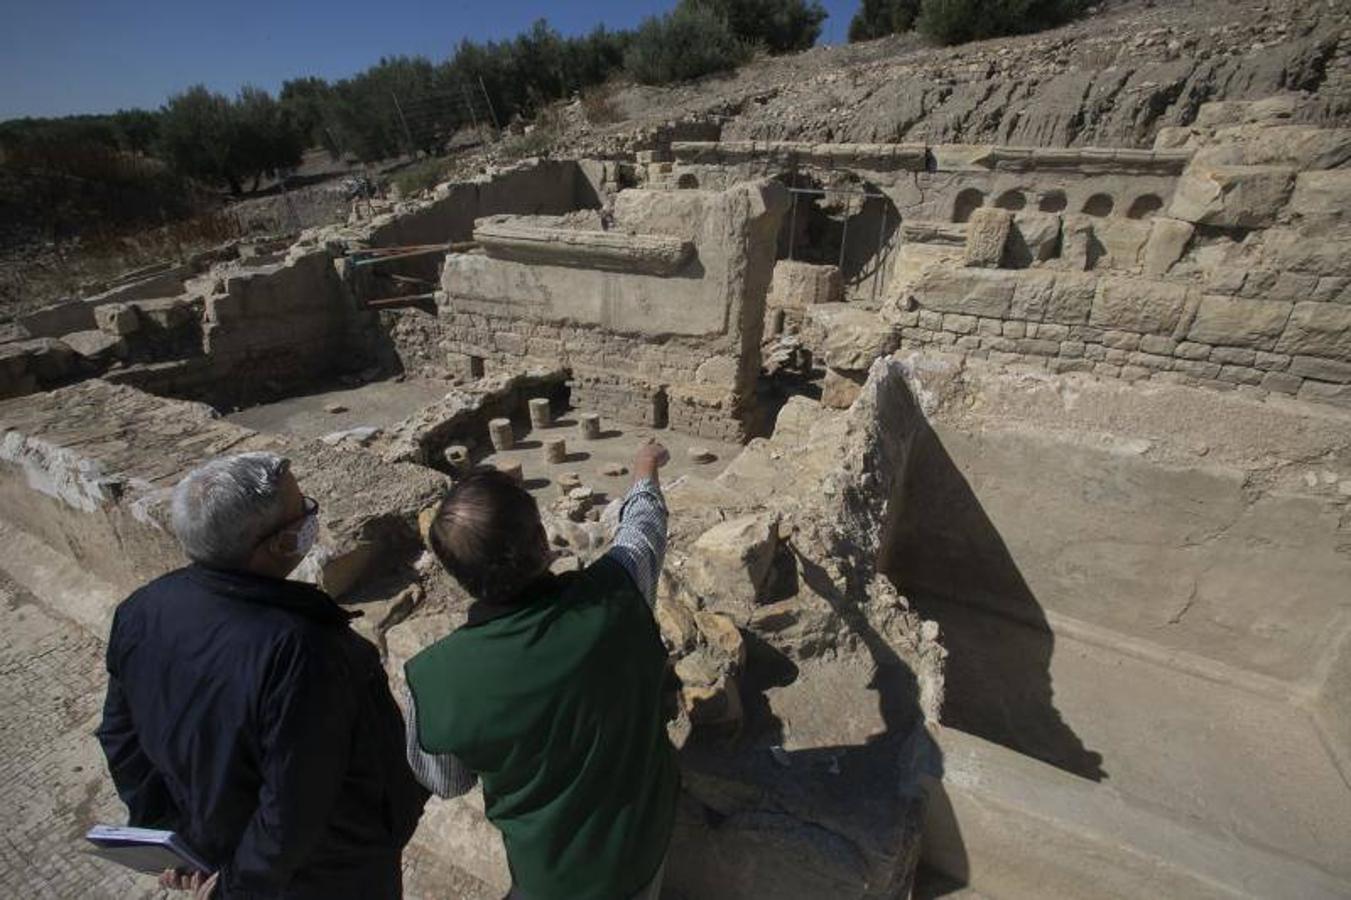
(395, 302)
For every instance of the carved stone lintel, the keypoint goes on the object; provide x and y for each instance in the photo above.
(648, 254)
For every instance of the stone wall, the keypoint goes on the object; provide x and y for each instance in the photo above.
(668, 302)
(88, 469)
(535, 187)
(1218, 258)
(235, 325)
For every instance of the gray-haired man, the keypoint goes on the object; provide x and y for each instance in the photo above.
(243, 713)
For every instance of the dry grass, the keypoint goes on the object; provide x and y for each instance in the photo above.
(599, 107)
(37, 276)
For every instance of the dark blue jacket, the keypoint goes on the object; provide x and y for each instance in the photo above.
(244, 713)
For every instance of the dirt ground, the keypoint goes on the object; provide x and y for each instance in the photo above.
(378, 404)
(587, 458)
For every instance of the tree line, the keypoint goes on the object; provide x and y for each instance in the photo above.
(405, 104)
(959, 21)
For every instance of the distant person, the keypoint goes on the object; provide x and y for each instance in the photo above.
(244, 713)
(551, 692)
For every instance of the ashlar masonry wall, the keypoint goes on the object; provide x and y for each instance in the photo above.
(658, 317)
(1222, 257)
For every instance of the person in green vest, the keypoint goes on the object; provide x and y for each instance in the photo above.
(550, 694)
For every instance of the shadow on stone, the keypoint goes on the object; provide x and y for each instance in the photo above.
(944, 553)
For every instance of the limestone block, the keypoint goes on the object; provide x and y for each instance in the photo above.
(168, 313)
(505, 237)
(1138, 304)
(718, 703)
(46, 359)
(838, 390)
(798, 284)
(1121, 240)
(729, 564)
(986, 234)
(1332, 289)
(117, 319)
(95, 344)
(1340, 394)
(978, 292)
(1292, 286)
(1326, 193)
(1232, 196)
(722, 636)
(1064, 297)
(1075, 241)
(1239, 323)
(1235, 356)
(1318, 329)
(854, 337)
(1282, 382)
(959, 324)
(1322, 369)
(717, 370)
(1035, 238)
(58, 319)
(1168, 239)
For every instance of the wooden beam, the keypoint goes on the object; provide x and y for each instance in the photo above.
(407, 279)
(396, 302)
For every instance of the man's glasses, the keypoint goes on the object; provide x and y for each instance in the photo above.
(311, 507)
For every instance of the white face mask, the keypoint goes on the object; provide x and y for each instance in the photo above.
(306, 536)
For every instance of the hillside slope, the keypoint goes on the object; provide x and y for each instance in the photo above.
(1112, 79)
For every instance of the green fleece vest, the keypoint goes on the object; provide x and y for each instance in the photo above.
(557, 706)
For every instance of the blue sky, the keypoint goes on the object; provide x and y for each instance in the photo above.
(59, 57)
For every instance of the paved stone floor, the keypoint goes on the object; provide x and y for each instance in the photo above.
(52, 781)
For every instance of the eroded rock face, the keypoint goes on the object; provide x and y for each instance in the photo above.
(839, 675)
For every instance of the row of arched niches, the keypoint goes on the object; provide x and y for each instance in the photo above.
(1099, 204)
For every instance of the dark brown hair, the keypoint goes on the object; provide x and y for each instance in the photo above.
(487, 533)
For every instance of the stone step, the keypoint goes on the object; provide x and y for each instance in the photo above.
(1222, 750)
(1010, 827)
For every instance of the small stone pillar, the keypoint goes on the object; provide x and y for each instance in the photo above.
(512, 471)
(588, 425)
(457, 458)
(499, 432)
(556, 450)
(777, 318)
(540, 414)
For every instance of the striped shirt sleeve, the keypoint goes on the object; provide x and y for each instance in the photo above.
(640, 542)
(441, 773)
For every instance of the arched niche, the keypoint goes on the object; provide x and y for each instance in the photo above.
(1012, 200)
(1099, 205)
(968, 201)
(1053, 202)
(1144, 205)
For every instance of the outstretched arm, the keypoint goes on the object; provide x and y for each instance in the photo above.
(640, 542)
